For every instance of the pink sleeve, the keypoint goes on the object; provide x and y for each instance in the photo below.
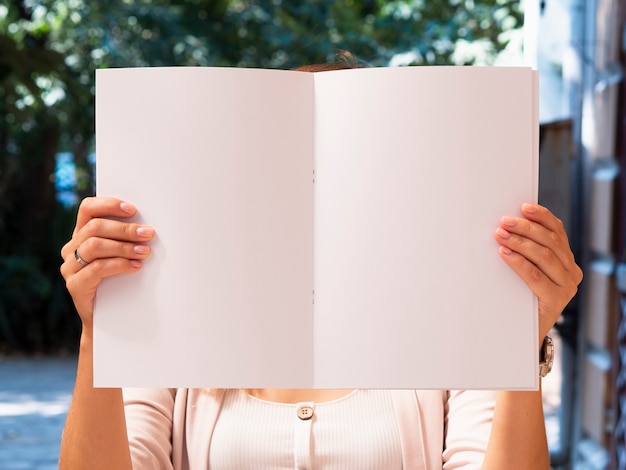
(468, 418)
(149, 415)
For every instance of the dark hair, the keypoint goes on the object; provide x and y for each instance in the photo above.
(345, 60)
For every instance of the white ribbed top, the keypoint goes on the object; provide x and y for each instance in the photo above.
(358, 431)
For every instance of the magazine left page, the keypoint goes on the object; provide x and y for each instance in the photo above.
(220, 162)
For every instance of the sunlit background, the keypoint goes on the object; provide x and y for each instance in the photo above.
(49, 51)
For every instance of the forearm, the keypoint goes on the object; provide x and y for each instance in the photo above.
(95, 430)
(518, 435)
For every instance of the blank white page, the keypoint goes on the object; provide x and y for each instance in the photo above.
(219, 161)
(414, 168)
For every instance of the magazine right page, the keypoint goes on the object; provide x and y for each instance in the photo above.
(413, 169)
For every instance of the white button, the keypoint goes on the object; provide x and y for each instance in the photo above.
(305, 412)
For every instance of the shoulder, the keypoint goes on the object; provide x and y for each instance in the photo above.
(471, 400)
(160, 398)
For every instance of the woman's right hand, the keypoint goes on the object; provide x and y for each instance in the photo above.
(108, 247)
(107, 244)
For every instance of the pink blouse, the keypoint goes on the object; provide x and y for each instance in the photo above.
(173, 428)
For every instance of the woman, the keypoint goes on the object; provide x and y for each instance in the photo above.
(458, 429)
(326, 429)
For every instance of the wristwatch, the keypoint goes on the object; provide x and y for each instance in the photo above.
(546, 356)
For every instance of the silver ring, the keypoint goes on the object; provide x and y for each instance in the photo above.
(81, 261)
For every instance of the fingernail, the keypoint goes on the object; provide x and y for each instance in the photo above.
(141, 249)
(145, 231)
(529, 208)
(502, 233)
(135, 263)
(505, 250)
(128, 207)
(510, 221)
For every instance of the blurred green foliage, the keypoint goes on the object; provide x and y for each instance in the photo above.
(49, 50)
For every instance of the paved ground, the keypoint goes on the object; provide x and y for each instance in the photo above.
(34, 396)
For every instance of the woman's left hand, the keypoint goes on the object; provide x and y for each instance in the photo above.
(537, 248)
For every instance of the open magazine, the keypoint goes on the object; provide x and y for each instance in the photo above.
(318, 230)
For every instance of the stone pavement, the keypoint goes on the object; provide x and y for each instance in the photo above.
(34, 396)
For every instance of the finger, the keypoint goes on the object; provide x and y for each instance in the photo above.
(95, 207)
(90, 277)
(115, 230)
(539, 234)
(542, 216)
(545, 217)
(100, 248)
(107, 229)
(547, 231)
(542, 257)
